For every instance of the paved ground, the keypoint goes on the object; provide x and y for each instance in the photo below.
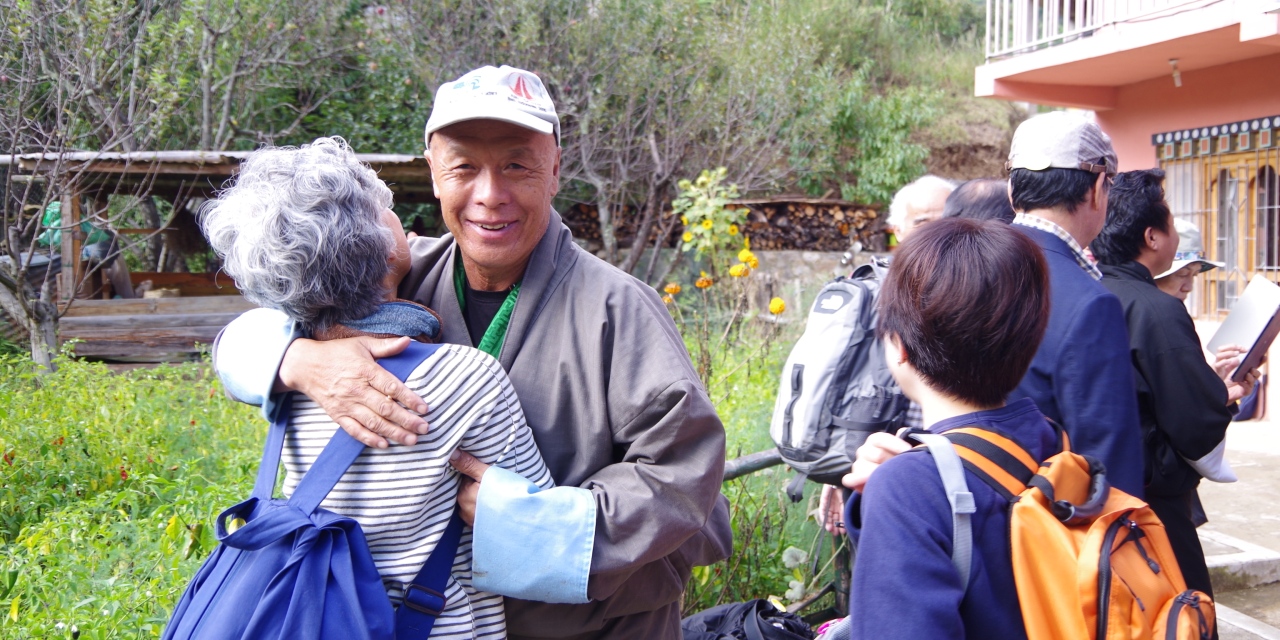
(1242, 539)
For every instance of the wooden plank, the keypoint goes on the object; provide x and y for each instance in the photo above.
(140, 306)
(152, 349)
(77, 325)
(202, 332)
(192, 285)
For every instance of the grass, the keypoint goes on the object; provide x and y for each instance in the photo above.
(109, 483)
(107, 488)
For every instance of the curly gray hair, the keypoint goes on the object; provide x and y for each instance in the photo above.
(301, 231)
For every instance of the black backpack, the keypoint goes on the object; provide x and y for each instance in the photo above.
(836, 388)
(751, 620)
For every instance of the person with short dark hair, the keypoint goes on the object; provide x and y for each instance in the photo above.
(1060, 166)
(1183, 405)
(961, 367)
(980, 199)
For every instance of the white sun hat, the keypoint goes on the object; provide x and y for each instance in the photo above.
(1190, 249)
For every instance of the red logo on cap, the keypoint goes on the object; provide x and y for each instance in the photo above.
(520, 90)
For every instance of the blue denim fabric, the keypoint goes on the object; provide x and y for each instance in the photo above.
(531, 543)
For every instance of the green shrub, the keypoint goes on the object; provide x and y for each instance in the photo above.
(109, 485)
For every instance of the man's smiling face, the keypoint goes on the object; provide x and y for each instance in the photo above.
(495, 182)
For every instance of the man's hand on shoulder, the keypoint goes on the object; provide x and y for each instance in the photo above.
(343, 377)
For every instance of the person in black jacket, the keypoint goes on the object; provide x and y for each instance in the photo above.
(1183, 405)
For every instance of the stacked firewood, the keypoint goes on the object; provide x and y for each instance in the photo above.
(807, 224)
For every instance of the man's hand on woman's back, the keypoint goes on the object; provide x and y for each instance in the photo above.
(343, 377)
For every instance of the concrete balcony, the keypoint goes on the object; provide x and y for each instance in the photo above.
(1079, 53)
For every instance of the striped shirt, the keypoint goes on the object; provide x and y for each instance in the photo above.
(403, 496)
(1036, 222)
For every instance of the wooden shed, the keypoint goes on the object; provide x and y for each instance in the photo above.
(194, 306)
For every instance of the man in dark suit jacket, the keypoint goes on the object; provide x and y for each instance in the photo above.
(1061, 166)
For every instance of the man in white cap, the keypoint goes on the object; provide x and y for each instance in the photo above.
(604, 379)
(1061, 165)
(1061, 168)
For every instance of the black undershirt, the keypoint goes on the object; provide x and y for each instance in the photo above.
(481, 307)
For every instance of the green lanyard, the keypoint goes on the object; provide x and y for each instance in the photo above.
(491, 342)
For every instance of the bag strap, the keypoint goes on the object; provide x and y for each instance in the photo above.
(424, 597)
(338, 455)
(951, 469)
(996, 458)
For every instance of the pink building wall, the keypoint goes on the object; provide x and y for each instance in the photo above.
(1211, 96)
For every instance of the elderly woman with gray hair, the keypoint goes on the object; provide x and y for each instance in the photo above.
(309, 231)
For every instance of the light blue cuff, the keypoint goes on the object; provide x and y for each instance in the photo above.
(531, 543)
(248, 356)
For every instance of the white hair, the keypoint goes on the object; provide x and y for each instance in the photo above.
(898, 208)
(301, 231)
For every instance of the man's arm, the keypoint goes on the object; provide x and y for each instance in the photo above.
(1190, 401)
(261, 354)
(1096, 395)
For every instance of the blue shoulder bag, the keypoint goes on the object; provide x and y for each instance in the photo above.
(294, 570)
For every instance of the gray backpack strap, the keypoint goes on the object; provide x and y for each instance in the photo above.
(962, 505)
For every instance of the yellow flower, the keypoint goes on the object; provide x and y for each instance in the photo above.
(753, 262)
(684, 220)
(733, 229)
(746, 242)
(777, 306)
(667, 300)
(706, 224)
(687, 237)
(739, 271)
(745, 256)
(703, 282)
(672, 288)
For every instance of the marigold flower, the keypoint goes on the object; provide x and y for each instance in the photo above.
(667, 299)
(687, 237)
(777, 306)
(703, 282)
(672, 288)
(733, 229)
(707, 224)
(739, 271)
(745, 256)
(753, 262)
(684, 220)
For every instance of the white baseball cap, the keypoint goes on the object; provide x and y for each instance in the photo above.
(488, 93)
(1062, 140)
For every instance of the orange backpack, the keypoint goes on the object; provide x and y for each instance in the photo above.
(1089, 560)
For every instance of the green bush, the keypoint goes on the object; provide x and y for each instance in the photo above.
(109, 485)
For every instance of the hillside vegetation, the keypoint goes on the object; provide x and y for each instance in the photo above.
(824, 97)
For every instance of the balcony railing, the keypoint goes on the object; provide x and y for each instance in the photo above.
(1019, 26)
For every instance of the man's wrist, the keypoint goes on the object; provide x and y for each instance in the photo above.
(292, 374)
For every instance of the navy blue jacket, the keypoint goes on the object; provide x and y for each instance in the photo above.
(904, 584)
(1082, 376)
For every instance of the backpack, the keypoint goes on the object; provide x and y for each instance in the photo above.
(293, 570)
(750, 620)
(1076, 542)
(836, 388)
